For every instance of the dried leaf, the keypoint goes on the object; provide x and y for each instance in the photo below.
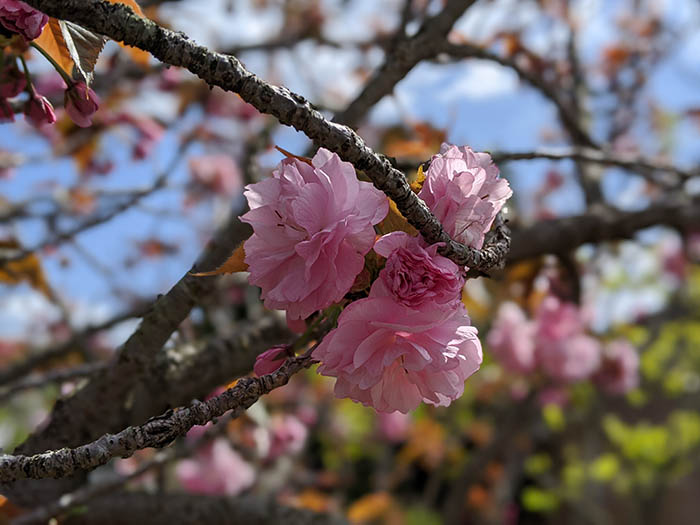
(72, 47)
(27, 268)
(233, 264)
(418, 180)
(394, 221)
(51, 41)
(370, 507)
(293, 156)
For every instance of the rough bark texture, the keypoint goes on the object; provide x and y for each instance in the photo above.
(157, 432)
(120, 23)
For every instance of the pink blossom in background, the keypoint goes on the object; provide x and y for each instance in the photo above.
(414, 275)
(619, 369)
(81, 103)
(393, 426)
(312, 226)
(288, 435)
(12, 80)
(215, 469)
(512, 339)
(220, 173)
(271, 359)
(571, 359)
(557, 320)
(21, 18)
(392, 357)
(39, 111)
(464, 191)
(50, 84)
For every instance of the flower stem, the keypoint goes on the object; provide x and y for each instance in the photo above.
(64, 75)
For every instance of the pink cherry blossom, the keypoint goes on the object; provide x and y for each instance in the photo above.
(21, 18)
(569, 359)
(312, 226)
(288, 436)
(464, 191)
(220, 173)
(619, 369)
(414, 275)
(392, 357)
(557, 320)
(393, 426)
(215, 469)
(81, 104)
(39, 111)
(271, 359)
(512, 339)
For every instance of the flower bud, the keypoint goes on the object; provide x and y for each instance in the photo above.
(81, 104)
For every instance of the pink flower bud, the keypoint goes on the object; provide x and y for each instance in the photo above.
(6, 112)
(81, 104)
(271, 359)
(12, 80)
(18, 17)
(39, 111)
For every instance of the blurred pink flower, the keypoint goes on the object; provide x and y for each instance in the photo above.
(39, 111)
(392, 357)
(393, 426)
(312, 227)
(12, 80)
(215, 469)
(557, 320)
(271, 359)
(464, 191)
(20, 18)
(6, 112)
(288, 435)
(50, 84)
(619, 369)
(414, 275)
(81, 103)
(219, 173)
(570, 359)
(512, 339)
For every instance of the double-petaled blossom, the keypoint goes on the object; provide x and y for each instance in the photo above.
(312, 227)
(20, 18)
(512, 339)
(392, 357)
(619, 368)
(464, 191)
(414, 275)
(81, 104)
(39, 110)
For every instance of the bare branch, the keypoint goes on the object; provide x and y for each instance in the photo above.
(54, 376)
(405, 54)
(602, 224)
(120, 23)
(157, 432)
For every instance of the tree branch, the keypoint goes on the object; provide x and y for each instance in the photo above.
(120, 23)
(157, 432)
(602, 224)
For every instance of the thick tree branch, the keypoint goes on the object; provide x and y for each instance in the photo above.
(120, 23)
(602, 224)
(157, 432)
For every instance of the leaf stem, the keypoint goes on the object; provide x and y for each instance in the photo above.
(64, 75)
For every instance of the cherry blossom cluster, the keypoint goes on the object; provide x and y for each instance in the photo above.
(556, 343)
(410, 339)
(20, 24)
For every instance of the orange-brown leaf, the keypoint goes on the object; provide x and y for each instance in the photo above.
(293, 156)
(370, 507)
(52, 42)
(233, 264)
(418, 180)
(394, 221)
(27, 268)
